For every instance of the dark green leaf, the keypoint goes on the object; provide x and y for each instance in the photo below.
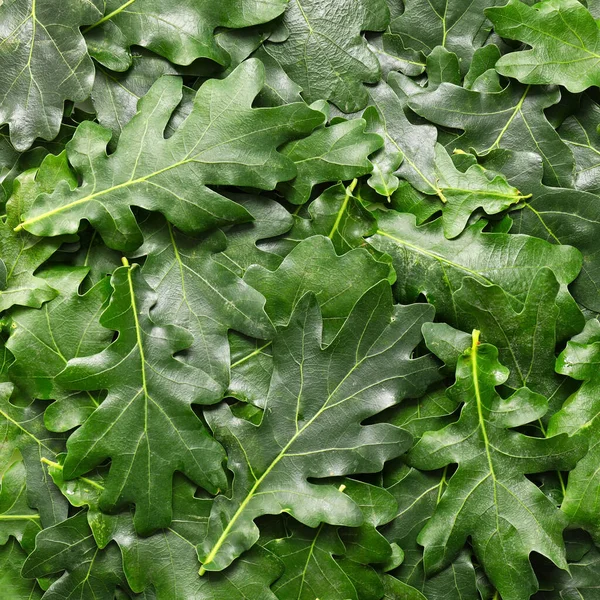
(366, 368)
(43, 62)
(324, 52)
(146, 425)
(492, 462)
(181, 32)
(512, 118)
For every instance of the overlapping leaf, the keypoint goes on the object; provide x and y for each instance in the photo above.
(333, 563)
(488, 498)
(181, 31)
(42, 345)
(21, 253)
(427, 263)
(580, 413)
(460, 27)
(146, 424)
(43, 62)
(324, 52)
(512, 118)
(366, 368)
(201, 295)
(564, 38)
(170, 175)
(465, 181)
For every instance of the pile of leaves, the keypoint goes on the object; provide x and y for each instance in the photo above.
(299, 299)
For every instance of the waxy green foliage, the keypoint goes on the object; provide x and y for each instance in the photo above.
(43, 62)
(148, 408)
(490, 482)
(180, 31)
(565, 43)
(169, 175)
(580, 413)
(368, 368)
(324, 52)
(299, 299)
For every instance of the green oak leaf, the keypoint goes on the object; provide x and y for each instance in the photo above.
(42, 345)
(335, 153)
(23, 253)
(92, 254)
(460, 27)
(488, 497)
(526, 339)
(431, 412)
(324, 52)
(43, 62)
(394, 56)
(580, 413)
(115, 95)
(279, 88)
(484, 60)
(313, 266)
(580, 132)
(90, 572)
(512, 118)
(22, 430)
(199, 294)
(447, 343)
(580, 582)
(13, 163)
(427, 263)
(442, 66)
(561, 216)
(181, 31)
(170, 175)
(12, 584)
(418, 493)
(564, 40)
(408, 150)
(338, 213)
(394, 588)
(146, 424)
(466, 192)
(366, 368)
(166, 562)
(365, 544)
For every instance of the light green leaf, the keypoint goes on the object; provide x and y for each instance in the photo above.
(564, 40)
(336, 153)
(488, 497)
(325, 53)
(42, 345)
